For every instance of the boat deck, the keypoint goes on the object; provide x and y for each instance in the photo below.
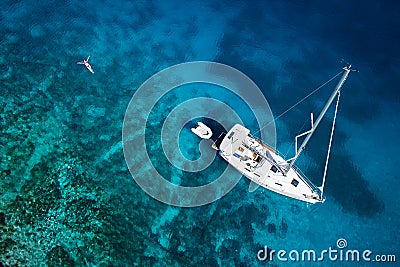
(262, 165)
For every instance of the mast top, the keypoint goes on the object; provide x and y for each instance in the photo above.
(349, 68)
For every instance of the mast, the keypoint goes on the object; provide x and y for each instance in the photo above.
(346, 71)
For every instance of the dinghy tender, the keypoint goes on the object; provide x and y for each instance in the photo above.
(202, 131)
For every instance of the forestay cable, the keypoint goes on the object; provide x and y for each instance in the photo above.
(297, 103)
(330, 144)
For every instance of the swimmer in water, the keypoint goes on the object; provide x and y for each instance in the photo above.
(86, 63)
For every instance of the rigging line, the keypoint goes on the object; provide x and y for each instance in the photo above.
(298, 102)
(330, 144)
(293, 143)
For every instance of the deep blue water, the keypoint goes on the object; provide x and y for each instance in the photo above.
(67, 197)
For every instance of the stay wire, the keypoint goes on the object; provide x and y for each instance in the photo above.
(298, 102)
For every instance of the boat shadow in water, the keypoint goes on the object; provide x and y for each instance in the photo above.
(345, 182)
(351, 190)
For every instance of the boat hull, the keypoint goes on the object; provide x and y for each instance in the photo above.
(264, 166)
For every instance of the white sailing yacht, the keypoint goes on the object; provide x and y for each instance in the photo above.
(266, 167)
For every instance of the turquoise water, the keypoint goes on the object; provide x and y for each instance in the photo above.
(66, 195)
